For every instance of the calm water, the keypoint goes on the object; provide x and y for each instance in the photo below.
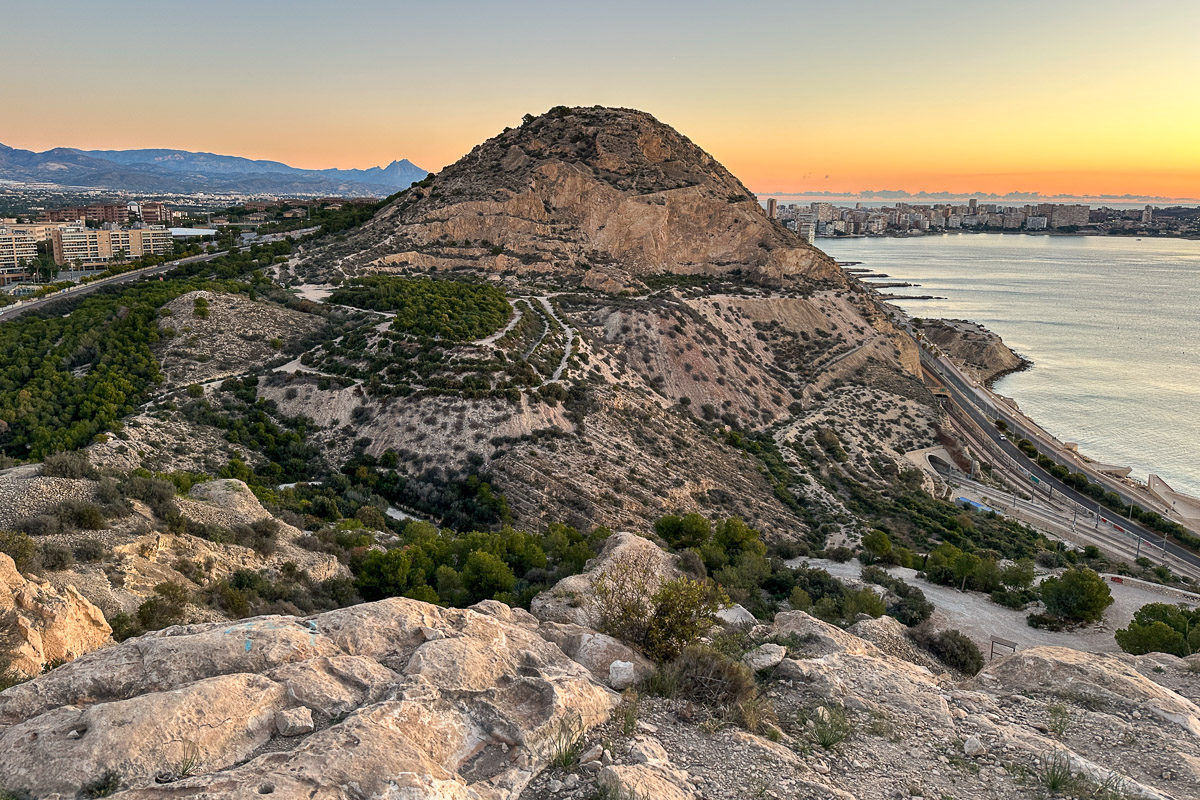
(1112, 327)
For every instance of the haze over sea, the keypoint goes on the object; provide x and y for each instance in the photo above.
(1112, 326)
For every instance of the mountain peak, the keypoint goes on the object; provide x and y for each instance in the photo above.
(183, 171)
(580, 189)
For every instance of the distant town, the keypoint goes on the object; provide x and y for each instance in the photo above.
(70, 243)
(826, 220)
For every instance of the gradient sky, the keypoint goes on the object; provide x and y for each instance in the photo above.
(1096, 97)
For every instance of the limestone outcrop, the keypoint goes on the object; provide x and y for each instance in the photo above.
(41, 625)
(610, 193)
(405, 700)
(973, 347)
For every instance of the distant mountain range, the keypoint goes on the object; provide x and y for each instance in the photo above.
(184, 172)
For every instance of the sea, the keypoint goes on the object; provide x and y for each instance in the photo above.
(1112, 326)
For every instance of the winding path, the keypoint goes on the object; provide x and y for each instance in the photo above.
(562, 365)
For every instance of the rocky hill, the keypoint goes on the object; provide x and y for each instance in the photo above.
(292, 506)
(588, 194)
(646, 282)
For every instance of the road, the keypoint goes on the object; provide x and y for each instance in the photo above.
(13, 311)
(966, 397)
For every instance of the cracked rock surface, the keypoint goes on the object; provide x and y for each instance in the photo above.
(407, 700)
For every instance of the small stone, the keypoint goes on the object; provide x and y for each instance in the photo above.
(571, 781)
(646, 726)
(593, 754)
(973, 747)
(621, 675)
(646, 750)
(607, 758)
(821, 768)
(294, 721)
(555, 786)
(764, 656)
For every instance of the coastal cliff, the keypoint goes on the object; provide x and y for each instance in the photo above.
(974, 348)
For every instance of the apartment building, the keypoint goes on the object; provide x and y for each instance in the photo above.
(17, 249)
(155, 213)
(89, 247)
(41, 231)
(95, 213)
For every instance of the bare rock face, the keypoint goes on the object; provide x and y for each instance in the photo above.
(44, 625)
(226, 501)
(822, 637)
(405, 699)
(607, 192)
(599, 653)
(1102, 677)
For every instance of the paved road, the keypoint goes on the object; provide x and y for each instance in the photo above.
(13, 311)
(965, 397)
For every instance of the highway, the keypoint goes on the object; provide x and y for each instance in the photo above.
(13, 311)
(966, 397)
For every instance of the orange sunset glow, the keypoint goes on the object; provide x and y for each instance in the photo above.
(792, 98)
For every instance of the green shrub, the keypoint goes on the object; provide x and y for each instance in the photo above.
(164, 609)
(69, 465)
(1162, 628)
(80, 514)
(908, 605)
(1079, 595)
(41, 525)
(876, 544)
(830, 726)
(485, 575)
(22, 549)
(57, 557)
(90, 550)
(688, 531)
(684, 610)
(839, 554)
(954, 649)
(632, 603)
(706, 677)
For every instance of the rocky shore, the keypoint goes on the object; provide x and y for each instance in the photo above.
(974, 348)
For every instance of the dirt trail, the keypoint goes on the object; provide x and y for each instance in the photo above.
(978, 617)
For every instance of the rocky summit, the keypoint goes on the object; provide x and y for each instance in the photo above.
(604, 194)
(564, 473)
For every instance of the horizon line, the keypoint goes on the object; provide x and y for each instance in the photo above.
(901, 194)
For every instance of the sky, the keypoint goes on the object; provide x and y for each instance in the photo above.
(1077, 98)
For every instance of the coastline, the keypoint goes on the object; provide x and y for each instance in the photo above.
(1090, 313)
(975, 232)
(1065, 451)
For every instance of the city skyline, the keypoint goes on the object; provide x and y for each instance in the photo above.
(1067, 99)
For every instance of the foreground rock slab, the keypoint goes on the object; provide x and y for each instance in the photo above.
(402, 698)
